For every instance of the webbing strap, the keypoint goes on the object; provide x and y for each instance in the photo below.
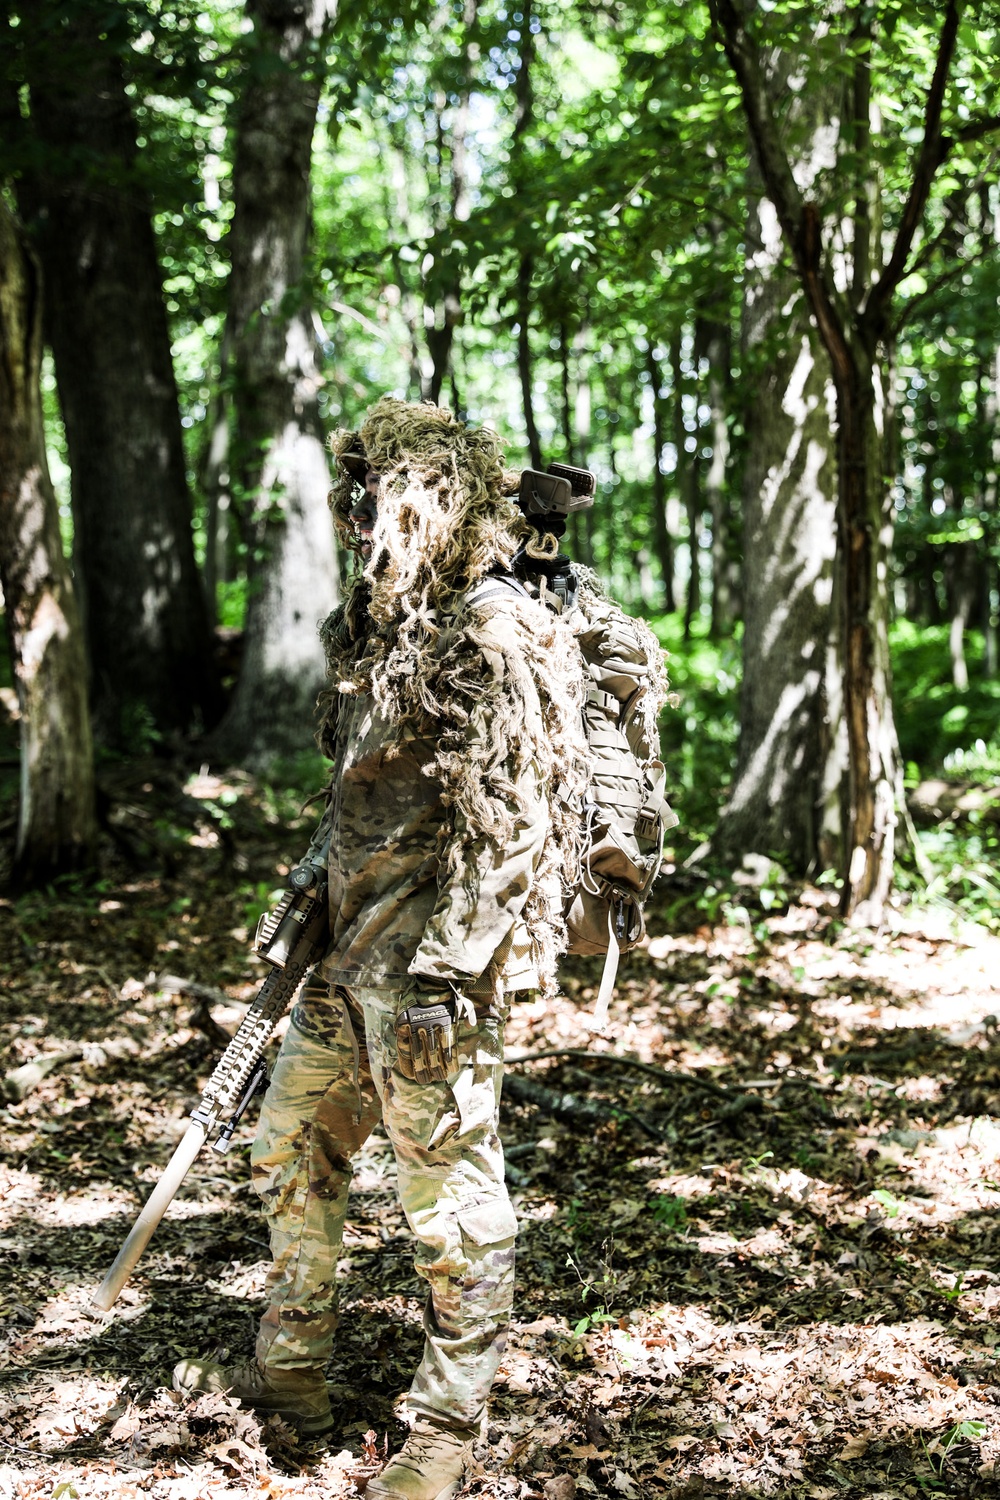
(604, 700)
(608, 977)
(496, 586)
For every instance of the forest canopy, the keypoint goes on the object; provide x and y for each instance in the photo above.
(741, 261)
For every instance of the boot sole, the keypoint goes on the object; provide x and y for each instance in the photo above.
(311, 1427)
(380, 1492)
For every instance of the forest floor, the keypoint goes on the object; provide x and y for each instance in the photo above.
(764, 1266)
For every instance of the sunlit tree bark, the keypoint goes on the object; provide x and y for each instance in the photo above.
(56, 828)
(277, 460)
(784, 801)
(777, 804)
(854, 324)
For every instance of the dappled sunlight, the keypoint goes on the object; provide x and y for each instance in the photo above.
(765, 1252)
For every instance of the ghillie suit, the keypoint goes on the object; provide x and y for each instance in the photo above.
(500, 702)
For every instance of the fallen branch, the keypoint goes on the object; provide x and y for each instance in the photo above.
(666, 1075)
(201, 1017)
(22, 1081)
(571, 1108)
(174, 984)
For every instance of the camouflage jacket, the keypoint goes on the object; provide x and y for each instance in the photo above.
(395, 909)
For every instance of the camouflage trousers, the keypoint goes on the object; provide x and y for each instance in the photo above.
(335, 1077)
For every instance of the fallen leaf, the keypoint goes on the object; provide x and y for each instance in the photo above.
(560, 1487)
(682, 1442)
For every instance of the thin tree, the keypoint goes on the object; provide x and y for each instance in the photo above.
(277, 464)
(56, 829)
(854, 324)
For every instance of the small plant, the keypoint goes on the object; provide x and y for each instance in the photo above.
(576, 1219)
(602, 1288)
(888, 1202)
(954, 1292)
(257, 899)
(671, 1212)
(937, 1451)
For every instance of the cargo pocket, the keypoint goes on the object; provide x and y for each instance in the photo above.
(488, 1223)
(476, 1091)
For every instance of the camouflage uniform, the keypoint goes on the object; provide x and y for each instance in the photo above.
(396, 911)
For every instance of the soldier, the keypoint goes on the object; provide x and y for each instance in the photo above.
(452, 722)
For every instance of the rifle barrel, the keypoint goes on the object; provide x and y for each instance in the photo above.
(152, 1212)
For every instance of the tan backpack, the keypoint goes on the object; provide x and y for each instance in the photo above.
(625, 812)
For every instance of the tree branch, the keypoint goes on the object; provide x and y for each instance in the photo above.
(933, 287)
(975, 130)
(798, 217)
(933, 150)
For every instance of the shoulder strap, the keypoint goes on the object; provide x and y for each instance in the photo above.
(497, 586)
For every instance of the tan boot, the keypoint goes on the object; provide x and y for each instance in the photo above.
(429, 1466)
(300, 1396)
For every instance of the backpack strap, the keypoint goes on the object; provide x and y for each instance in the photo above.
(497, 586)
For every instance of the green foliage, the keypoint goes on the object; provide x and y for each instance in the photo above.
(699, 734)
(599, 1288)
(935, 719)
(669, 1212)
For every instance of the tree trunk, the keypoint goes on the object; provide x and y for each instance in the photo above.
(855, 321)
(581, 528)
(278, 463)
(440, 336)
(864, 522)
(717, 353)
(524, 366)
(991, 509)
(89, 216)
(56, 828)
(776, 805)
(687, 479)
(661, 531)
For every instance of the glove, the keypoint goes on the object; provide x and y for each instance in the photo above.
(425, 1032)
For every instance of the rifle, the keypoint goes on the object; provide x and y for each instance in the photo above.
(291, 938)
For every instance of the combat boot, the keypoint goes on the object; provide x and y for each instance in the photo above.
(429, 1466)
(299, 1396)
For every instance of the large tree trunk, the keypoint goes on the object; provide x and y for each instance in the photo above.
(89, 215)
(856, 323)
(278, 460)
(56, 828)
(776, 805)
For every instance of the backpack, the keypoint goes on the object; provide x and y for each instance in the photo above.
(625, 814)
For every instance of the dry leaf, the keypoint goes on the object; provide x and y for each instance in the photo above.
(560, 1487)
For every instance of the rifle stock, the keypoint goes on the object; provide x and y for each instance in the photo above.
(152, 1212)
(293, 940)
